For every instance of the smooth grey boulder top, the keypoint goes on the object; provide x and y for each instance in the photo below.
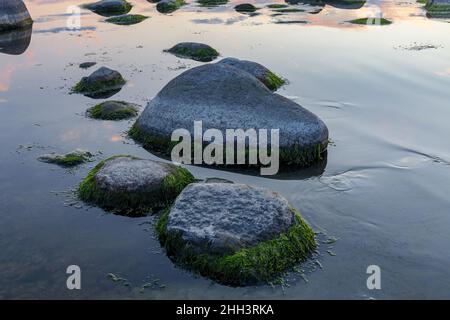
(109, 7)
(255, 69)
(13, 15)
(103, 74)
(221, 218)
(224, 97)
(194, 50)
(125, 174)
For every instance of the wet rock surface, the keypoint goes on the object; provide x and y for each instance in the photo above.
(102, 83)
(169, 6)
(195, 51)
(109, 7)
(14, 15)
(113, 110)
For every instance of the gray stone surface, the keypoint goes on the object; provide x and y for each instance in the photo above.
(194, 50)
(125, 174)
(218, 218)
(255, 69)
(101, 82)
(13, 15)
(109, 7)
(225, 97)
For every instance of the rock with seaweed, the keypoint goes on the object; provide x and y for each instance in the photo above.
(438, 9)
(132, 186)
(267, 77)
(224, 97)
(169, 6)
(113, 110)
(235, 234)
(14, 15)
(127, 19)
(102, 83)
(245, 8)
(195, 51)
(73, 158)
(109, 8)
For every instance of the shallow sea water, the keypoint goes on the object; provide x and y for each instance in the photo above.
(383, 191)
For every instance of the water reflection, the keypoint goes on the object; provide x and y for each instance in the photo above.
(15, 42)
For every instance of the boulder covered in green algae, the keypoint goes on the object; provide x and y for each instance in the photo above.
(195, 51)
(127, 19)
(102, 83)
(245, 7)
(70, 159)
(109, 7)
(113, 110)
(133, 186)
(169, 6)
(14, 15)
(267, 77)
(371, 21)
(438, 9)
(235, 234)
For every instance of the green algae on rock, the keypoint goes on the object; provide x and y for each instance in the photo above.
(169, 6)
(438, 9)
(70, 159)
(195, 51)
(212, 3)
(371, 21)
(277, 6)
(102, 83)
(245, 8)
(133, 186)
(113, 110)
(109, 7)
(127, 19)
(212, 230)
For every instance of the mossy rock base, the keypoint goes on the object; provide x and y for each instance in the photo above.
(127, 19)
(245, 8)
(109, 8)
(70, 159)
(371, 21)
(235, 234)
(103, 83)
(113, 110)
(195, 51)
(169, 6)
(131, 186)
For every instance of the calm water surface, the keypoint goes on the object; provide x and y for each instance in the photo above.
(384, 191)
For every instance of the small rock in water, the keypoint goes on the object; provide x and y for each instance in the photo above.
(127, 19)
(87, 65)
(267, 77)
(133, 186)
(235, 234)
(245, 7)
(70, 159)
(195, 51)
(169, 6)
(14, 15)
(212, 3)
(102, 83)
(438, 9)
(113, 110)
(109, 7)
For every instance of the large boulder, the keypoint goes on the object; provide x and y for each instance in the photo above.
(15, 42)
(14, 15)
(102, 83)
(224, 97)
(132, 186)
(234, 233)
(195, 51)
(267, 77)
(438, 9)
(109, 7)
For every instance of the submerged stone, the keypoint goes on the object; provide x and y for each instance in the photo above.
(212, 3)
(346, 4)
(87, 65)
(14, 15)
(438, 9)
(113, 110)
(133, 186)
(371, 21)
(169, 6)
(109, 7)
(127, 19)
(245, 7)
(16, 41)
(195, 51)
(224, 97)
(70, 159)
(267, 77)
(235, 234)
(102, 83)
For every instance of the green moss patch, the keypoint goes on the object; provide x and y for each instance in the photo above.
(371, 21)
(169, 6)
(264, 263)
(273, 82)
(112, 110)
(98, 87)
(212, 3)
(277, 6)
(129, 203)
(70, 159)
(203, 54)
(288, 10)
(111, 10)
(127, 19)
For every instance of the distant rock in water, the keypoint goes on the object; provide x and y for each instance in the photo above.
(245, 7)
(267, 77)
(195, 51)
(127, 19)
(132, 186)
(212, 3)
(70, 159)
(113, 110)
(346, 4)
(438, 9)
(169, 6)
(109, 7)
(103, 83)
(87, 65)
(235, 234)
(15, 42)
(14, 15)
(224, 97)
